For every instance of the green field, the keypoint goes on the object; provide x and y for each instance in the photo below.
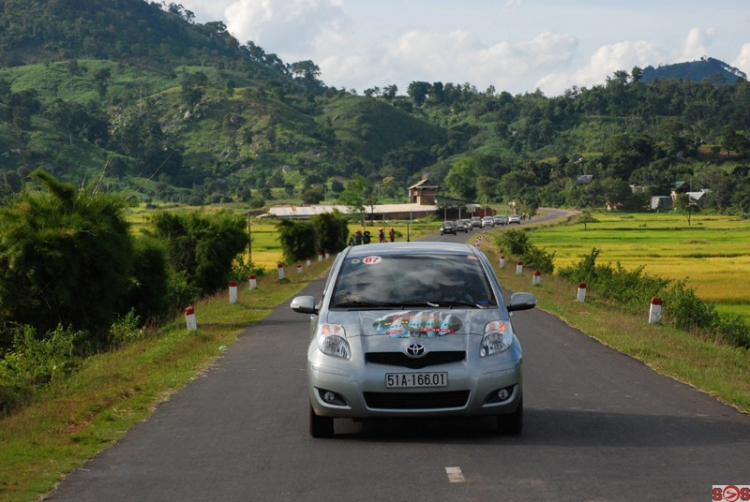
(712, 253)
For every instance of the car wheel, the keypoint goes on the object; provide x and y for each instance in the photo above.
(320, 427)
(511, 424)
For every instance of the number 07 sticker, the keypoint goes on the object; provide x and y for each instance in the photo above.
(372, 260)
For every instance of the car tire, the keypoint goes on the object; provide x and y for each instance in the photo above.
(320, 427)
(511, 424)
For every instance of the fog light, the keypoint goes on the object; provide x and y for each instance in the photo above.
(329, 397)
(503, 394)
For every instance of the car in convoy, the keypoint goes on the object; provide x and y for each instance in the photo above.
(464, 225)
(488, 221)
(413, 329)
(500, 219)
(448, 227)
(476, 222)
(514, 219)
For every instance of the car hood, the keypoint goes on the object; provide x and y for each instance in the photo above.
(414, 323)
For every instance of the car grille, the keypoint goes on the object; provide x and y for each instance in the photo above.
(429, 359)
(416, 400)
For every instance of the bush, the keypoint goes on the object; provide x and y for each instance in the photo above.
(201, 249)
(539, 259)
(684, 310)
(35, 361)
(298, 240)
(515, 242)
(66, 257)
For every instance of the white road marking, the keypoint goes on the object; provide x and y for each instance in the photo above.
(454, 474)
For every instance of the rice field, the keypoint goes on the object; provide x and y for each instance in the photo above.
(712, 253)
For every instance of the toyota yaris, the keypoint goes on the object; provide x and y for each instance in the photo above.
(415, 329)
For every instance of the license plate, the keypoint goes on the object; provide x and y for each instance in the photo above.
(420, 380)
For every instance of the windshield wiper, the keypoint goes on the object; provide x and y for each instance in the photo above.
(461, 304)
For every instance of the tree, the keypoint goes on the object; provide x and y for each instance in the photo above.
(66, 258)
(462, 178)
(331, 231)
(685, 206)
(203, 248)
(354, 196)
(298, 240)
(418, 92)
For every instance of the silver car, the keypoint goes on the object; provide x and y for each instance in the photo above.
(414, 329)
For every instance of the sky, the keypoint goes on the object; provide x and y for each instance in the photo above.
(516, 46)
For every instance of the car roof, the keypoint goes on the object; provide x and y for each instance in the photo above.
(417, 247)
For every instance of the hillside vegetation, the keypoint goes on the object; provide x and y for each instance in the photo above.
(140, 99)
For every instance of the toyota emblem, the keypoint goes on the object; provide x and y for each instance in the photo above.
(415, 350)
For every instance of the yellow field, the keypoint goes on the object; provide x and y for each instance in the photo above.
(712, 253)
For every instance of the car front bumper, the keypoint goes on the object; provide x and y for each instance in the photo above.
(360, 391)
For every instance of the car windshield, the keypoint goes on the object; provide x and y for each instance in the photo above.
(412, 280)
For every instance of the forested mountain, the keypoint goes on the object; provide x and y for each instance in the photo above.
(137, 98)
(696, 71)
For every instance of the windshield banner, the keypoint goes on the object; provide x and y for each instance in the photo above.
(418, 324)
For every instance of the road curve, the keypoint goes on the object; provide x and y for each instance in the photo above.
(600, 426)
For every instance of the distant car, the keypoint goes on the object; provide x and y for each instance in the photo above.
(488, 221)
(464, 225)
(476, 222)
(448, 227)
(514, 218)
(413, 329)
(500, 220)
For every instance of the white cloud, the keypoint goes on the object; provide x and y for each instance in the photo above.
(457, 57)
(696, 44)
(293, 25)
(603, 63)
(742, 62)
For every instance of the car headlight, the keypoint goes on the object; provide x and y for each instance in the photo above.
(497, 338)
(332, 341)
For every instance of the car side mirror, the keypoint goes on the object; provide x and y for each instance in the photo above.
(521, 301)
(304, 305)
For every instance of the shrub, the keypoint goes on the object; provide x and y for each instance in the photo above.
(66, 257)
(201, 249)
(539, 259)
(298, 240)
(515, 242)
(35, 361)
(685, 310)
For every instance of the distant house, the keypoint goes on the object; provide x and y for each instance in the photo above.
(584, 179)
(661, 202)
(424, 192)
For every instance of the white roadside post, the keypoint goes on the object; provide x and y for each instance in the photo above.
(537, 278)
(308, 262)
(581, 292)
(299, 268)
(327, 255)
(654, 314)
(281, 271)
(253, 282)
(232, 291)
(502, 261)
(192, 325)
(519, 268)
(320, 256)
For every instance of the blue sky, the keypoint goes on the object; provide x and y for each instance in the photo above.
(514, 45)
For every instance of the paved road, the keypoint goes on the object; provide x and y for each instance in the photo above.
(599, 427)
